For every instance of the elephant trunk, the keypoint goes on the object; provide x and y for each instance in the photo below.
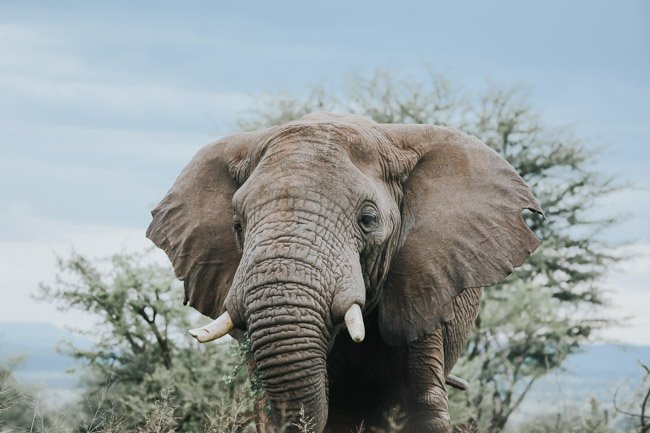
(292, 285)
(289, 345)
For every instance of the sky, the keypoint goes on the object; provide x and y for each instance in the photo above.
(102, 104)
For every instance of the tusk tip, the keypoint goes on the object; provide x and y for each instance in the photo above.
(354, 323)
(212, 331)
(199, 334)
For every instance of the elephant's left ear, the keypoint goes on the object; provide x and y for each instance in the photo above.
(193, 223)
(461, 227)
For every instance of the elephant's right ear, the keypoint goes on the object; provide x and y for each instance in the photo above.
(193, 223)
(461, 228)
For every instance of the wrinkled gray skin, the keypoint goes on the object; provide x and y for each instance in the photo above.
(286, 228)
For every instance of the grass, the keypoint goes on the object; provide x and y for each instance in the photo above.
(25, 410)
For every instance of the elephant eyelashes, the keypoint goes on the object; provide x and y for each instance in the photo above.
(239, 232)
(368, 221)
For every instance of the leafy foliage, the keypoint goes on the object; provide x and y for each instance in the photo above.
(26, 409)
(593, 420)
(143, 368)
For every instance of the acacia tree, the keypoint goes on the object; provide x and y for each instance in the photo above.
(548, 308)
(143, 372)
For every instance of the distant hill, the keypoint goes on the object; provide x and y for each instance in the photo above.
(598, 371)
(40, 364)
(38, 341)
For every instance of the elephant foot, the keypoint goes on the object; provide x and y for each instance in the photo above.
(429, 413)
(428, 420)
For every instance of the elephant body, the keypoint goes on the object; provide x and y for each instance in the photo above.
(370, 382)
(298, 232)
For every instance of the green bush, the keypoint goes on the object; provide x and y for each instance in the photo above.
(144, 370)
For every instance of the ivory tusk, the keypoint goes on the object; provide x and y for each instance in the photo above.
(354, 323)
(220, 327)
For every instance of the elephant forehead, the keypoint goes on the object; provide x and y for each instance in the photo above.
(291, 181)
(301, 179)
(360, 139)
(326, 158)
(315, 160)
(338, 162)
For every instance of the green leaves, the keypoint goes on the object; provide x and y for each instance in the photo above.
(143, 370)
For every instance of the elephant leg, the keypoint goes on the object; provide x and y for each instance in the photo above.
(428, 407)
(455, 333)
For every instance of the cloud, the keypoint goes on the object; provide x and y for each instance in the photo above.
(101, 146)
(86, 75)
(631, 206)
(628, 284)
(73, 193)
(26, 263)
(136, 104)
(27, 48)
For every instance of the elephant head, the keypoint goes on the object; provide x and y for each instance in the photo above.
(294, 232)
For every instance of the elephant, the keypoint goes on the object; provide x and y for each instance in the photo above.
(293, 234)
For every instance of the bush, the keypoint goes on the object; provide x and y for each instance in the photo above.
(143, 370)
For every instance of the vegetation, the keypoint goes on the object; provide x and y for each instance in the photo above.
(22, 410)
(143, 374)
(143, 371)
(593, 420)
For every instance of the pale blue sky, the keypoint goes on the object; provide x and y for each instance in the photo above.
(102, 104)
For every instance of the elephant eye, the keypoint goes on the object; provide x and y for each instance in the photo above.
(239, 233)
(367, 221)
